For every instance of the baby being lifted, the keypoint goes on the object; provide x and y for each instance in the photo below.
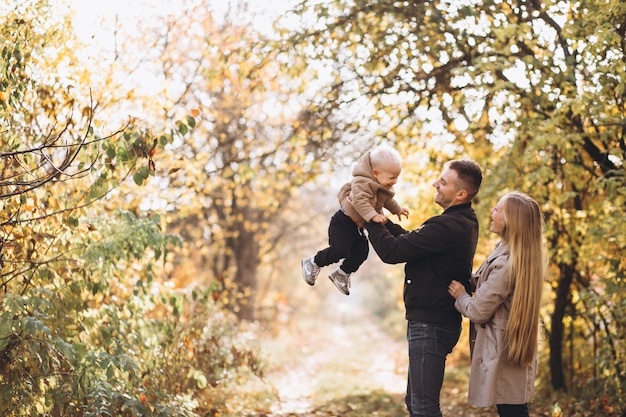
(362, 200)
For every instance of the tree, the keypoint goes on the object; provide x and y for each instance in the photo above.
(532, 90)
(64, 342)
(252, 144)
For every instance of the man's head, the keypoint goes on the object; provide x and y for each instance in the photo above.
(459, 183)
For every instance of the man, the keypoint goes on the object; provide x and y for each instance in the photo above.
(441, 250)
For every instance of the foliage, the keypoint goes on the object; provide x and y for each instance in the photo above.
(225, 184)
(65, 343)
(94, 315)
(86, 328)
(534, 91)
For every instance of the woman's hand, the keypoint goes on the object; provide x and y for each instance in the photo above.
(456, 289)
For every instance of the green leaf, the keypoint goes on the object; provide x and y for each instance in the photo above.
(140, 175)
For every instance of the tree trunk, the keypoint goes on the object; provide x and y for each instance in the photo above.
(561, 302)
(247, 263)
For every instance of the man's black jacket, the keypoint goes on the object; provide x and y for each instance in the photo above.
(441, 250)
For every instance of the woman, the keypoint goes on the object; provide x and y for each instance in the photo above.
(505, 309)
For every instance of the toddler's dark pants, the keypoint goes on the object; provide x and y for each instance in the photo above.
(346, 241)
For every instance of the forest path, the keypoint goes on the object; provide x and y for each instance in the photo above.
(338, 361)
(334, 353)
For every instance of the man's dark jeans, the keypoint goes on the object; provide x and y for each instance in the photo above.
(429, 345)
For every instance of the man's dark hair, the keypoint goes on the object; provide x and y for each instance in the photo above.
(469, 173)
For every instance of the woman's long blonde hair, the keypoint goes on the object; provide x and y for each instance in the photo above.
(523, 233)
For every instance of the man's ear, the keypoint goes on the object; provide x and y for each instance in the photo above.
(461, 195)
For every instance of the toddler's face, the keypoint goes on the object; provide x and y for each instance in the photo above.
(387, 175)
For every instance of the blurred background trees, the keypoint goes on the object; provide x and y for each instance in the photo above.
(163, 176)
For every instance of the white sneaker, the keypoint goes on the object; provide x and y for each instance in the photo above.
(309, 270)
(341, 280)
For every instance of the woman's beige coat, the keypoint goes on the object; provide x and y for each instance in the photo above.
(493, 380)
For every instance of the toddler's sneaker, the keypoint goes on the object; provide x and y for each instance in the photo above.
(309, 270)
(341, 280)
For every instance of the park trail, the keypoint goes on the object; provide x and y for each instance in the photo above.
(339, 351)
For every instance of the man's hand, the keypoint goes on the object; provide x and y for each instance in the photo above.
(379, 218)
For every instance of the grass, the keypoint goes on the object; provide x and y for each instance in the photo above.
(373, 403)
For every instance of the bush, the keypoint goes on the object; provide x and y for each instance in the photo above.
(105, 339)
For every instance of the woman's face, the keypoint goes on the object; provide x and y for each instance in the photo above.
(497, 218)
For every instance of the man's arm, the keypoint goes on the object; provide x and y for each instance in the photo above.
(395, 229)
(432, 237)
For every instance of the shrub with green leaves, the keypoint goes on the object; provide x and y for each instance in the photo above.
(104, 338)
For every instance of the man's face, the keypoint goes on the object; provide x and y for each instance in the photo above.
(447, 188)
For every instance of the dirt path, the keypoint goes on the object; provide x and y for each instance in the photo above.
(345, 354)
(350, 341)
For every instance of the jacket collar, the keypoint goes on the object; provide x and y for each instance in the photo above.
(458, 207)
(500, 249)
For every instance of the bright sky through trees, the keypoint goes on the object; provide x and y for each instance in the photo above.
(91, 13)
(100, 24)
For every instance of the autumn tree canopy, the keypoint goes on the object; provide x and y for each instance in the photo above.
(534, 91)
(138, 225)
